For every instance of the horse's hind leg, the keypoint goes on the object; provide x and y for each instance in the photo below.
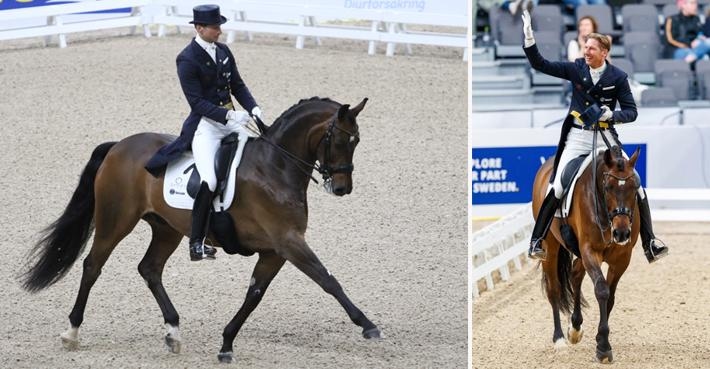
(552, 288)
(264, 272)
(111, 227)
(300, 255)
(164, 242)
(575, 332)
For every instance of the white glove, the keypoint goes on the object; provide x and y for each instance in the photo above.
(527, 29)
(256, 112)
(237, 115)
(236, 119)
(607, 114)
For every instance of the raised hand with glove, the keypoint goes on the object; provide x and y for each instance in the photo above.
(527, 29)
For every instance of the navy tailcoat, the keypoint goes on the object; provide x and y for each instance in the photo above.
(612, 88)
(207, 86)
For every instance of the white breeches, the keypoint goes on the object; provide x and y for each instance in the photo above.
(579, 142)
(205, 143)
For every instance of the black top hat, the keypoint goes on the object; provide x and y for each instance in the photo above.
(207, 14)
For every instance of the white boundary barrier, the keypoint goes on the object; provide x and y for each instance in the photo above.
(506, 240)
(300, 20)
(55, 19)
(494, 246)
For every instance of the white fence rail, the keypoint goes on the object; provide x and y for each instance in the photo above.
(498, 244)
(388, 26)
(56, 25)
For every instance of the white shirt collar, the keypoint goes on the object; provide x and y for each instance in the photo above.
(598, 71)
(205, 45)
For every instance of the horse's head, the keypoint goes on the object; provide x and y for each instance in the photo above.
(619, 185)
(337, 148)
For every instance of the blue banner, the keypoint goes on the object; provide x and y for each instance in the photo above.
(16, 4)
(505, 175)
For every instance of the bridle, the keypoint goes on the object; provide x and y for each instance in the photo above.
(618, 211)
(325, 169)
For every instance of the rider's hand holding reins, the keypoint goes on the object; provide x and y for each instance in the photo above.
(527, 29)
(237, 119)
(606, 114)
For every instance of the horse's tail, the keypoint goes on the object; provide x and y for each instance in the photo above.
(564, 272)
(63, 241)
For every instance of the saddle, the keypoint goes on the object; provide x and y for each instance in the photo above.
(222, 163)
(182, 182)
(570, 174)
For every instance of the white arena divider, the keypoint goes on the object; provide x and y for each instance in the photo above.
(301, 19)
(499, 243)
(295, 18)
(506, 240)
(57, 25)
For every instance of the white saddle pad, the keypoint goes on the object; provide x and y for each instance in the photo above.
(178, 173)
(567, 200)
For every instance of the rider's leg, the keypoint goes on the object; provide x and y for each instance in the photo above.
(652, 247)
(578, 143)
(204, 147)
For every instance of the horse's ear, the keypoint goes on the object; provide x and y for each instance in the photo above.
(632, 159)
(358, 108)
(343, 111)
(608, 160)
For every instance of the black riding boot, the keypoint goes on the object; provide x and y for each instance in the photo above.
(652, 247)
(200, 221)
(542, 224)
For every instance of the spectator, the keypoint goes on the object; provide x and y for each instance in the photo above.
(585, 26)
(684, 37)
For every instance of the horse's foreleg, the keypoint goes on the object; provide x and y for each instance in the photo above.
(264, 272)
(164, 242)
(575, 332)
(601, 291)
(306, 261)
(613, 276)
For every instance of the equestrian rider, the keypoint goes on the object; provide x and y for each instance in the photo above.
(592, 78)
(208, 76)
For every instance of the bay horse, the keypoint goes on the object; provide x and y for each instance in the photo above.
(603, 230)
(270, 213)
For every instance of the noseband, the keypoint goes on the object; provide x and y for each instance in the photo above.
(325, 169)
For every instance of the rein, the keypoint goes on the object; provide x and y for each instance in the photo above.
(324, 169)
(617, 211)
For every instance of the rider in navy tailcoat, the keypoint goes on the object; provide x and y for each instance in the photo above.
(207, 86)
(209, 77)
(597, 87)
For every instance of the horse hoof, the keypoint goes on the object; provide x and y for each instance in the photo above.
(605, 357)
(225, 357)
(174, 345)
(575, 335)
(372, 333)
(561, 344)
(69, 344)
